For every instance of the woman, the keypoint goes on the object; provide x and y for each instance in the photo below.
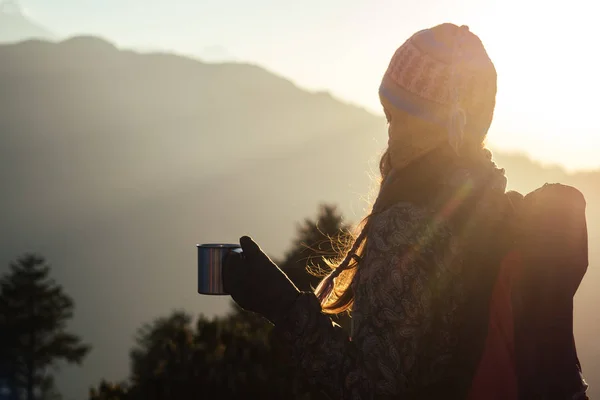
(419, 275)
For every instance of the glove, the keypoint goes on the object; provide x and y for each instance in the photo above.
(256, 284)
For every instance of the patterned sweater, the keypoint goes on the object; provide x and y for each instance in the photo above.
(406, 291)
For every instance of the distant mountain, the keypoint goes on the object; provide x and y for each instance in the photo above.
(114, 164)
(15, 26)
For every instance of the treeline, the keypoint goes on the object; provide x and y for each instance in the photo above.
(175, 357)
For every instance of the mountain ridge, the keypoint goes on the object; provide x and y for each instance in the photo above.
(15, 26)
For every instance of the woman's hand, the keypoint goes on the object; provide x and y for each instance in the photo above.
(256, 283)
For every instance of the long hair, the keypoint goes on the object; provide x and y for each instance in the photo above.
(412, 182)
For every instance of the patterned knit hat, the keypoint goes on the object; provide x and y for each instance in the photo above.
(445, 76)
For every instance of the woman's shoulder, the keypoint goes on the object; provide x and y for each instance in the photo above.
(406, 223)
(403, 213)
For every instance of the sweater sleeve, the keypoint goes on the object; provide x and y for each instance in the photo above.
(392, 312)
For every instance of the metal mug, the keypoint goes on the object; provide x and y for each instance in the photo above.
(210, 266)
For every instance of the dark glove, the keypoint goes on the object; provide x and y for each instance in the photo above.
(256, 283)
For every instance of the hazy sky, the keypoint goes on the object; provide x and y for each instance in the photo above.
(549, 86)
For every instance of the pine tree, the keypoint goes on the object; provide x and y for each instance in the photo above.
(34, 311)
(316, 241)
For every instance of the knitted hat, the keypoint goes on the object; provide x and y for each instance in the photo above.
(445, 76)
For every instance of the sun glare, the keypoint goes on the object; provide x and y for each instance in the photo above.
(546, 84)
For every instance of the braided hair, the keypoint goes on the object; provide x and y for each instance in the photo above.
(418, 183)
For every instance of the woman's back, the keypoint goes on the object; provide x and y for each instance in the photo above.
(415, 288)
(397, 317)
